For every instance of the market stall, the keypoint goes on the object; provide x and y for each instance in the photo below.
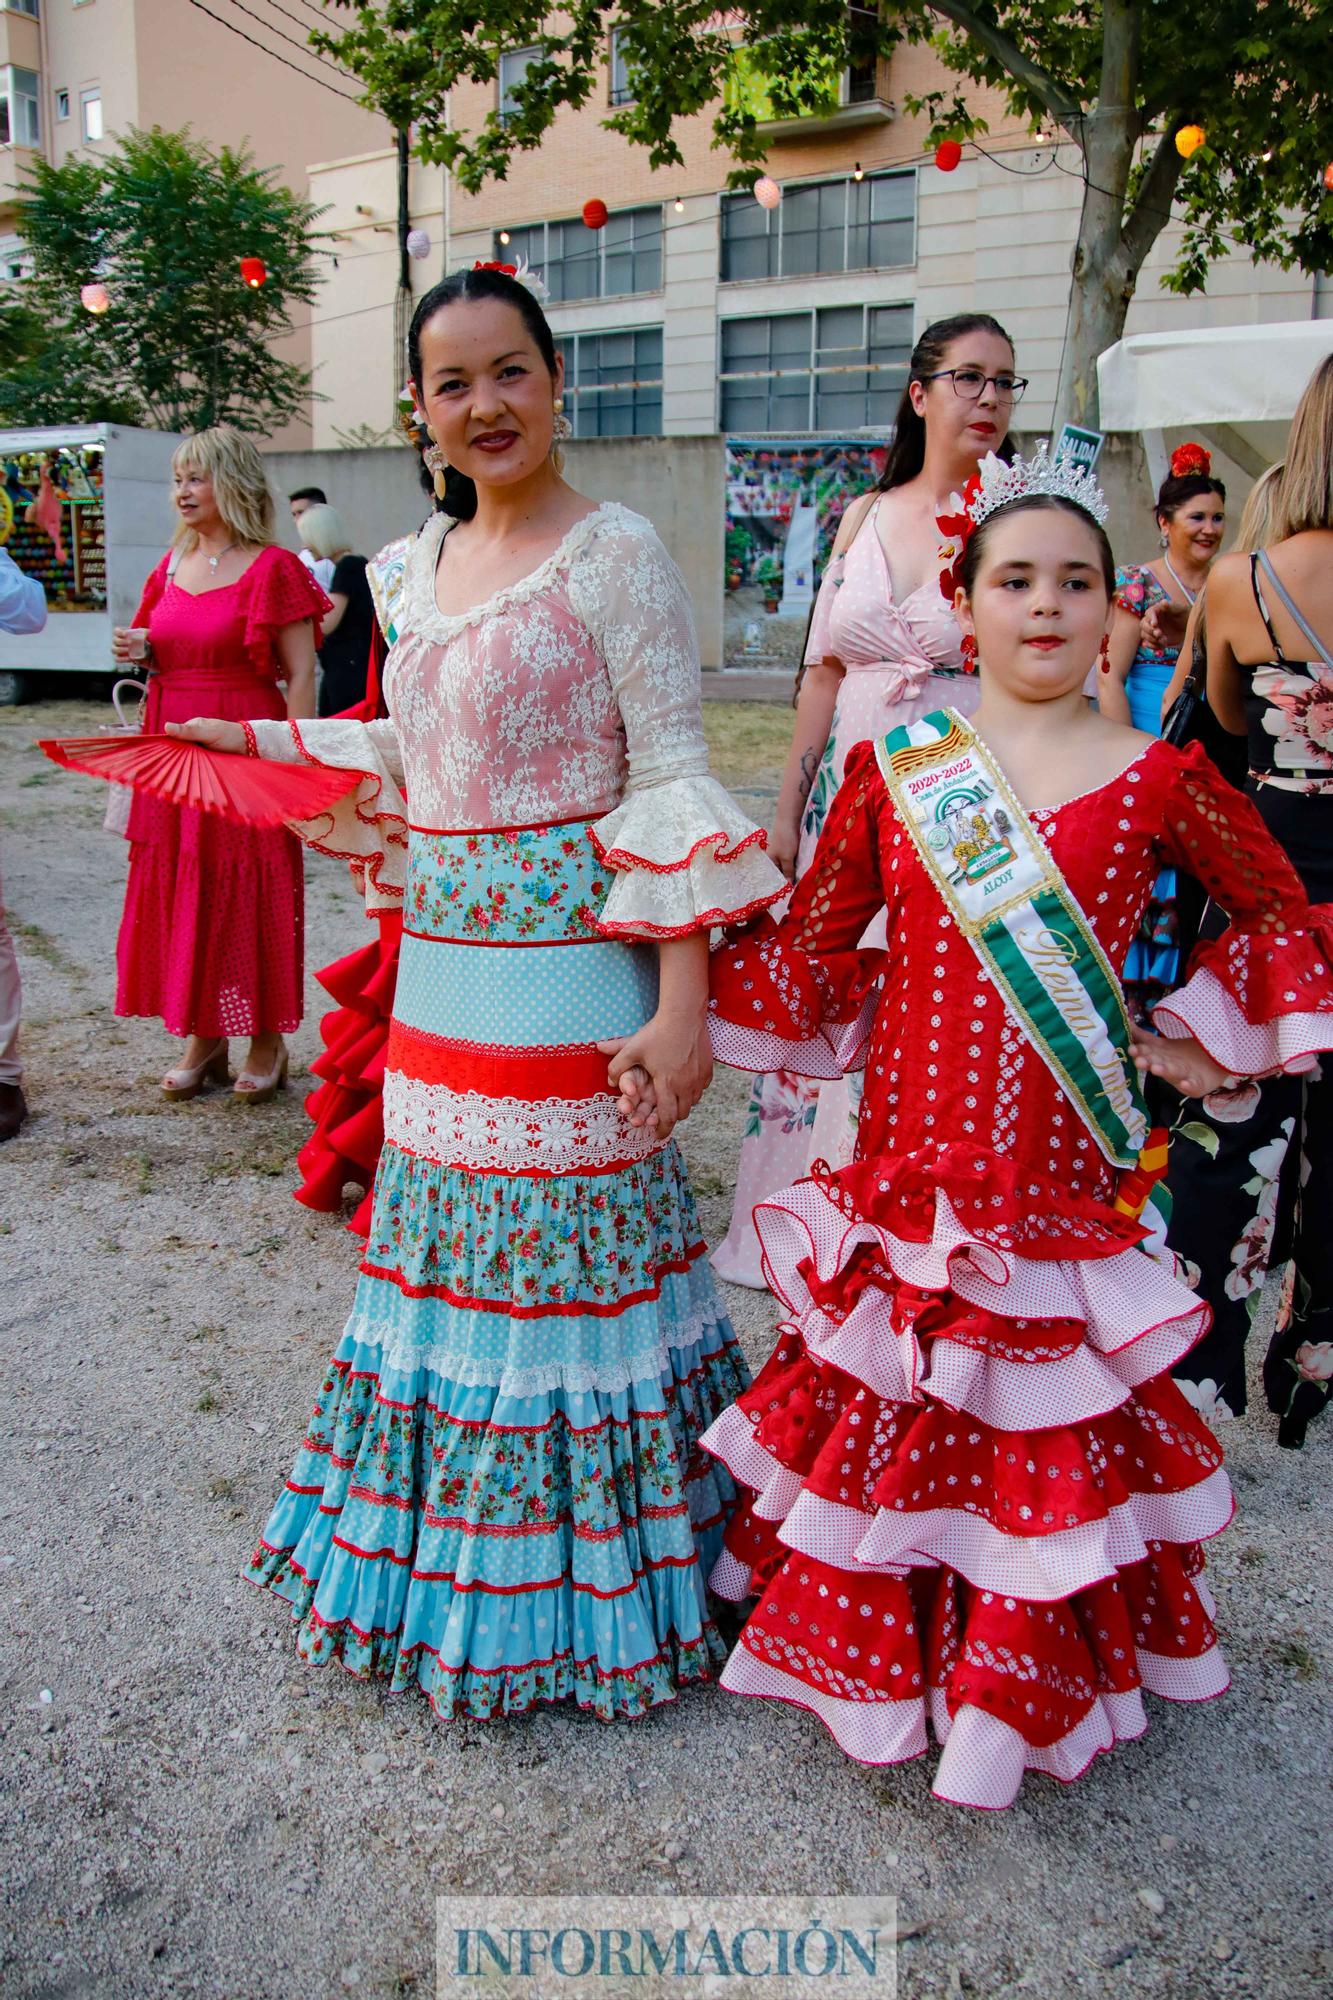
(86, 510)
(1235, 387)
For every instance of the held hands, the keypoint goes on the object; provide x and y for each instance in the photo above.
(662, 1071)
(783, 843)
(1184, 1064)
(213, 735)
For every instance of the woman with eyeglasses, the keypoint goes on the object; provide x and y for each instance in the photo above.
(883, 649)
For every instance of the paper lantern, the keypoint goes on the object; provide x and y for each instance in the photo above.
(95, 298)
(254, 272)
(1328, 175)
(418, 244)
(947, 155)
(595, 214)
(1189, 139)
(767, 192)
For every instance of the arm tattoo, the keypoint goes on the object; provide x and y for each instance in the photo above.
(809, 769)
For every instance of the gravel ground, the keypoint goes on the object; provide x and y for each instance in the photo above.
(191, 1811)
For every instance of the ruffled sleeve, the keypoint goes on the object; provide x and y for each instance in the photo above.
(1259, 998)
(800, 995)
(282, 592)
(819, 642)
(368, 827)
(685, 855)
(154, 585)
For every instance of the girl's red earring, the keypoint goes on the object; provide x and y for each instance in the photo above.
(1104, 652)
(968, 650)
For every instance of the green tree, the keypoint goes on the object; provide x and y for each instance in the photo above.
(162, 222)
(1119, 78)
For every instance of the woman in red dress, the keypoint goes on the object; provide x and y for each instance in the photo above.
(212, 932)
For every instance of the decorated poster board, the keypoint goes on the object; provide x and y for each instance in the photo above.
(785, 499)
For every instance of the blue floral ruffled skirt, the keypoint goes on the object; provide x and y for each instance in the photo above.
(500, 1494)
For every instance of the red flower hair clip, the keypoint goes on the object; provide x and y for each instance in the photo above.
(956, 526)
(510, 270)
(1189, 459)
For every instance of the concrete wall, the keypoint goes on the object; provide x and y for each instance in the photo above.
(678, 483)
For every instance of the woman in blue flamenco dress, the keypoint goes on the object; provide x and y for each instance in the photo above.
(500, 1494)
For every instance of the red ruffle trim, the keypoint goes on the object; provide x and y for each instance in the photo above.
(365, 867)
(1270, 976)
(347, 1108)
(625, 860)
(706, 920)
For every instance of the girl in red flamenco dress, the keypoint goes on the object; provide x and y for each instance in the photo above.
(976, 1498)
(347, 1107)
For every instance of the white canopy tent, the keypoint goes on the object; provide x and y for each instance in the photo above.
(1235, 387)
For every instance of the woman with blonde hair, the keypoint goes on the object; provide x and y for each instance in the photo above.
(1254, 1190)
(211, 936)
(349, 626)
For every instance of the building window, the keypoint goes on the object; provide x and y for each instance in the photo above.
(821, 226)
(15, 259)
(622, 91)
(613, 382)
(514, 66)
(841, 368)
(90, 113)
(582, 263)
(20, 124)
(22, 7)
(62, 106)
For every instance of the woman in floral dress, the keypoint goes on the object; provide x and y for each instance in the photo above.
(883, 648)
(1252, 1170)
(500, 1496)
(976, 1497)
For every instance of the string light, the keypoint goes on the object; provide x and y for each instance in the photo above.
(678, 205)
(504, 235)
(858, 172)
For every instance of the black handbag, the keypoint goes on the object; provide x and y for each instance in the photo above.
(1190, 720)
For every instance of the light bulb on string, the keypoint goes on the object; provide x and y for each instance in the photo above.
(504, 236)
(678, 205)
(858, 172)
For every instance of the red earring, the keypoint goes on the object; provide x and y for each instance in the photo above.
(968, 649)
(1104, 653)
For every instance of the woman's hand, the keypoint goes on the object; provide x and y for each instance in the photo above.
(120, 645)
(1185, 1064)
(671, 1051)
(212, 734)
(784, 840)
(1163, 626)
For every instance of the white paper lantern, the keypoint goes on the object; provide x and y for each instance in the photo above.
(767, 192)
(418, 243)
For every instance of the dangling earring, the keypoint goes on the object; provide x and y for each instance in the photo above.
(1104, 654)
(435, 462)
(562, 428)
(1164, 539)
(968, 649)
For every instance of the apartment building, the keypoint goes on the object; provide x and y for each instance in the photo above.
(695, 310)
(75, 73)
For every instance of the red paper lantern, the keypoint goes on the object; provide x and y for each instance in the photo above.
(254, 272)
(1189, 139)
(595, 214)
(1328, 175)
(947, 155)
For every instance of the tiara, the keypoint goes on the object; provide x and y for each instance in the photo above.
(994, 484)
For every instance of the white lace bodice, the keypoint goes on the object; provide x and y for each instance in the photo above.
(573, 693)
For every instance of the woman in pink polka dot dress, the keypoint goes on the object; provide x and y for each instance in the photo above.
(884, 648)
(976, 1497)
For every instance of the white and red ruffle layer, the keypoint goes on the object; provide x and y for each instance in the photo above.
(976, 1499)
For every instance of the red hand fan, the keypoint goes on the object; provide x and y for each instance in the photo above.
(247, 790)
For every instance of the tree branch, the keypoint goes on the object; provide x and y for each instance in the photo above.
(1152, 205)
(1019, 65)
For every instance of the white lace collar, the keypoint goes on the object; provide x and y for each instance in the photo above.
(423, 614)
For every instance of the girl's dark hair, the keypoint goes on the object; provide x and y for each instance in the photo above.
(907, 453)
(460, 493)
(1174, 492)
(1034, 503)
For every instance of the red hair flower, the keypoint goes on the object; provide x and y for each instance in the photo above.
(956, 526)
(1189, 459)
(510, 270)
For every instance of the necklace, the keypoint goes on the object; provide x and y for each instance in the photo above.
(1189, 594)
(213, 561)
